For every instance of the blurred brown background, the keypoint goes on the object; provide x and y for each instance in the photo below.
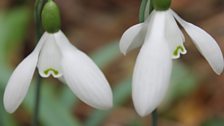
(92, 24)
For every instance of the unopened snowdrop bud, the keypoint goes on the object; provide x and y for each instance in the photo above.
(161, 4)
(51, 17)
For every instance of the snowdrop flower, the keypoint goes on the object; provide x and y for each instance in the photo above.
(55, 55)
(162, 40)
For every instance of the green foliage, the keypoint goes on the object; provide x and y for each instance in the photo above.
(13, 28)
(67, 98)
(183, 82)
(214, 122)
(135, 122)
(53, 112)
(106, 54)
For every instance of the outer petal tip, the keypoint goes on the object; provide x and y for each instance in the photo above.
(107, 104)
(142, 113)
(219, 70)
(8, 107)
(142, 110)
(123, 51)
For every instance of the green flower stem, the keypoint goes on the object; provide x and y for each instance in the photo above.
(142, 11)
(39, 31)
(154, 118)
(35, 121)
(145, 9)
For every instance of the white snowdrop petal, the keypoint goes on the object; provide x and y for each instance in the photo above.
(63, 42)
(83, 77)
(40, 43)
(153, 68)
(132, 38)
(20, 79)
(86, 80)
(50, 58)
(174, 36)
(19, 82)
(205, 43)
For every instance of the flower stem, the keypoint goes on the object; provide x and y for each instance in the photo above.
(154, 118)
(37, 103)
(37, 16)
(142, 10)
(145, 9)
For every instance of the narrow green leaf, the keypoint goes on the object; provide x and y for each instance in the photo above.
(183, 82)
(6, 119)
(67, 98)
(52, 111)
(13, 28)
(106, 54)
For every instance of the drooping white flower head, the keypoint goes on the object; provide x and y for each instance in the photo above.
(162, 40)
(55, 55)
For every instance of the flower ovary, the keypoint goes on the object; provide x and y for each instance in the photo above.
(161, 4)
(51, 20)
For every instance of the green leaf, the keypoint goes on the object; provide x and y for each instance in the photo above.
(5, 118)
(106, 54)
(13, 28)
(67, 98)
(135, 122)
(4, 75)
(52, 111)
(214, 122)
(183, 82)
(122, 91)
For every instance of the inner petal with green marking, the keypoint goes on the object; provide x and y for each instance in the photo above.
(180, 49)
(50, 59)
(51, 70)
